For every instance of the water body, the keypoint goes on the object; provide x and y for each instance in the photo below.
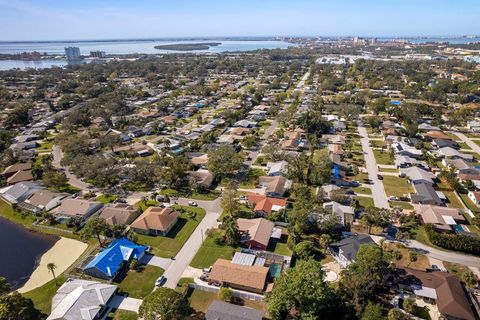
(119, 47)
(21, 251)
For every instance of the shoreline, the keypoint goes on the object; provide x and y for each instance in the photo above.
(63, 253)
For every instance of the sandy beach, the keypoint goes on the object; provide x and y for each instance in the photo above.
(63, 254)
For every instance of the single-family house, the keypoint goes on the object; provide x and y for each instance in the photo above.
(255, 233)
(237, 276)
(473, 125)
(275, 186)
(403, 149)
(222, 310)
(13, 169)
(345, 251)
(346, 214)
(450, 153)
(20, 191)
(264, 206)
(80, 299)
(119, 214)
(425, 194)
(279, 168)
(202, 177)
(155, 221)
(109, 262)
(431, 135)
(78, 208)
(245, 124)
(43, 200)
(418, 175)
(406, 161)
(442, 143)
(438, 287)
(475, 197)
(442, 218)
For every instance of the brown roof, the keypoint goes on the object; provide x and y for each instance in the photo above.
(451, 299)
(264, 203)
(20, 176)
(434, 214)
(17, 167)
(77, 207)
(119, 214)
(202, 177)
(43, 197)
(242, 275)
(258, 230)
(155, 218)
(203, 159)
(289, 144)
(274, 184)
(437, 135)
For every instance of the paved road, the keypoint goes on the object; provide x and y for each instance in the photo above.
(174, 272)
(449, 256)
(468, 141)
(378, 191)
(72, 179)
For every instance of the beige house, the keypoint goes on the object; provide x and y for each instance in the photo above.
(119, 214)
(155, 221)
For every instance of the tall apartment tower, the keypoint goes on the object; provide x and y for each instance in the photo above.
(72, 53)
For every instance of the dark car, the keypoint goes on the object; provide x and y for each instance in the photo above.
(379, 177)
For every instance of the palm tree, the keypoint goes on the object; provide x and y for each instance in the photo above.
(51, 267)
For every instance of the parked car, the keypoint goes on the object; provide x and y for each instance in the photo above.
(379, 177)
(192, 203)
(392, 198)
(207, 270)
(160, 281)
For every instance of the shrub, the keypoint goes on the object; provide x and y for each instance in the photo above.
(454, 242)
(225, 294)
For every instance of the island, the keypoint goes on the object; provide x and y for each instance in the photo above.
(188, 46)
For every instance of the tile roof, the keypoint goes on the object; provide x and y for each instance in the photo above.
(155, 218)
(258, 230)
(119, 214)
(247, 276)
(264, 203)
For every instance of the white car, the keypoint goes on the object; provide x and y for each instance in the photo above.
(192, 203)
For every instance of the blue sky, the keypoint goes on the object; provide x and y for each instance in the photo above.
(106, 19)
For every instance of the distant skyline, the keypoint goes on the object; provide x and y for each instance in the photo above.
(34, 20)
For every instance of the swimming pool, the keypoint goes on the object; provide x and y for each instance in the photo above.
(458, 228)
(275, 270)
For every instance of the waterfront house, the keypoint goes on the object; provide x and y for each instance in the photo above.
(43, 199)
(80, 299)
(109, 262)
(119, 214)
(79, 208)
(20, 191)
(155, 221)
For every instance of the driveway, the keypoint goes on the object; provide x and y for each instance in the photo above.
(160, 262)
(378, 191)
(125, 303)
(176, 269)
(467, 140)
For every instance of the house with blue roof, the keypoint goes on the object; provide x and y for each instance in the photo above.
(108, 263)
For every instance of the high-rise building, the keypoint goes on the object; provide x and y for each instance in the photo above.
(97, 54)
(373, 41)
(73, 53)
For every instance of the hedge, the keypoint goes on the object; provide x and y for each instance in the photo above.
(454, 242)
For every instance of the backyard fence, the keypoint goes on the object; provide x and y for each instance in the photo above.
(235, 293)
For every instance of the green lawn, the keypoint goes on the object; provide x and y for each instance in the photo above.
(42, 296)
(201, 300)
(280, 247)
(383, 157)
(251, 178)
(122, 315)
(396, 186)
(453, 201)
(139, 284)
(170, 245)
(470, 205)
(401, 204)
(107, 198)
(365, 201)
(362, 177)
(362, 190)
(388, 170)
(210, 252)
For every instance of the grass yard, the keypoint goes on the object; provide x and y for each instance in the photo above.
(422, 262)
(118, 314)
(401, 204)
(251, 178)
(42, 296)
(362, 190)
(138, 284)
(383, 157)
(280, 247)
(470, 205)
(209, 252)
(170, 245)
(365, 201)
(455, 268)
(107, 198)
(396, 186)
(362, 177)
(201, 300)
(453, 201)
(388, 170)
